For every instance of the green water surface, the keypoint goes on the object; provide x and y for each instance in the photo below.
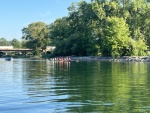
(42, 86)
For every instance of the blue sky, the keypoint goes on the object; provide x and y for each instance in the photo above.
(17, 14)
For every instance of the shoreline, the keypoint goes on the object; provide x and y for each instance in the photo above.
(100, 58)
(93, 58)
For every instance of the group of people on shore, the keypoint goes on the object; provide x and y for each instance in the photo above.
(60, 59)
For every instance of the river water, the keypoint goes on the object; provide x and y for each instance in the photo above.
(41, 86)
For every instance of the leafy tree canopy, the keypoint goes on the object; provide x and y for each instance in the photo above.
(36, 35)
(4, 42)
(15, 43)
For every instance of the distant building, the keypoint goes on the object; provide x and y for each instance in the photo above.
(50, 48)
(6, 47)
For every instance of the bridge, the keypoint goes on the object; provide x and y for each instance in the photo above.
(9, 49)
(15, 50)
(4, 51)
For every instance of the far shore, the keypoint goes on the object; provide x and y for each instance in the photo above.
(91, 58)
(100, 58)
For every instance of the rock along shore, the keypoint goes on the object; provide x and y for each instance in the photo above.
(119, 59)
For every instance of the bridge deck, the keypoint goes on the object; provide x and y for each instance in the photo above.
(16, 50)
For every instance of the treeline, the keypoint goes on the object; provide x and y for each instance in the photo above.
(100, 27)
(14, 42)
(107, 28)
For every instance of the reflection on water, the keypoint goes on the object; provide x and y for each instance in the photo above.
(43, 86)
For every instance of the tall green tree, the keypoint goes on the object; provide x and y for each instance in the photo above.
(23, 43)
(15, 43)
(134, 14)
(81, 20)
(73, 35)
(59, 32)
(117, 38)
(36, 36)
(4, 42)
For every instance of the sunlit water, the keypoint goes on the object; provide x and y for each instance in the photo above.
(42, 86)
